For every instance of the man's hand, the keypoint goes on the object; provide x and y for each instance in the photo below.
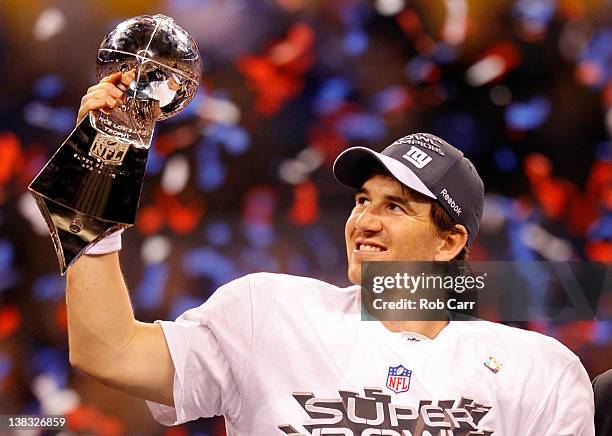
(106, 95)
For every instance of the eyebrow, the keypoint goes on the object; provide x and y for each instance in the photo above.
(393, 198)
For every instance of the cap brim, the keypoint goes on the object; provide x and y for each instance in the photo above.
(354, 165)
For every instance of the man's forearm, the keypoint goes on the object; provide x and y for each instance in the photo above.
(100, 318)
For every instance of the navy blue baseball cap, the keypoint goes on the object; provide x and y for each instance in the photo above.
(428, 165)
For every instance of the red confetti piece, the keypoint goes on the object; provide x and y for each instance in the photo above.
(10, 151)
(184, 219)
(89, 419)
(324, 138)
(176, 431)
(599, 185)
(181, 215)
(149, 220)
(537, 166)
(410, 22)
(61, 316)
(305, 209)
(10, 320)
(600, 251)
(278, 75)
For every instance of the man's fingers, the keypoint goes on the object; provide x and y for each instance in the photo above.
(111, 102)
(103, 92)
(112, 78)
(89, 105)
(107, 94)
(94, 103)
(126, 79)
(102, 88)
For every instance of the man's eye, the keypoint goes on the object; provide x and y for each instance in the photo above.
(361, 200)
(396, 207)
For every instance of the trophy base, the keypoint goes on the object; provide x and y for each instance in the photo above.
(71, 231)
(89, 189)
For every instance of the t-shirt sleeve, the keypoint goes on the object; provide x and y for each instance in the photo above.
(210, 348)
(568, 409)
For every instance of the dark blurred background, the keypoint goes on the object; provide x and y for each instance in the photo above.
(241, 180)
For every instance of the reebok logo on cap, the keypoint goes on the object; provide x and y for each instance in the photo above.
(451, 202)
(417, 157)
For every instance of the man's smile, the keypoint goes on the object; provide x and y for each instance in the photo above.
(365, 246)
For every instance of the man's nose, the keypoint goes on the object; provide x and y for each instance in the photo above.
(368, 221)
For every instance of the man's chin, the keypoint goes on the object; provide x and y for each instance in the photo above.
(354, 276)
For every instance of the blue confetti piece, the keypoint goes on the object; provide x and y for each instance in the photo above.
(298, 265)
(538, 12)
(601, 230)
(528, 115)
(48, 86)
(463, 131)
(331, 95)
(49, 287)
(32, 407)
(515, 230)
(182, 304)
(208, 263)
(505, 159)
(5, 365)
(57, 119)
(444, 53)
(257, 259)
(10, 277)
(389, 98)
(211, 174)
(218, 233)
(355, 42)
(417, 69)
(52, 362)
(259, 235)
(603, 151)
(236, 140)
(151, 289)
(361, 126)
(322, 247)
(7, 254)
(599, 52)
(155, 162)
(603, 332)
(191, 110)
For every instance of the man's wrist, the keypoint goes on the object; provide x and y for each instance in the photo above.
(106, 245)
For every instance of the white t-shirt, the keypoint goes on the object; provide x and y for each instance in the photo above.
(279, 354)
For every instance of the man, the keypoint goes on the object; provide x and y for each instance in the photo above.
(278, 354)
(602, 389)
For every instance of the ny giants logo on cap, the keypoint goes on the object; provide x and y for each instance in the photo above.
(417, 157)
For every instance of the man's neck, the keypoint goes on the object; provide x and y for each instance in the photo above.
(431, 329)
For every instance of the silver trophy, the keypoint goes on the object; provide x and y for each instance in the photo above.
(91, 186)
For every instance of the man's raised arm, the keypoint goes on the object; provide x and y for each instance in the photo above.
(105, 339)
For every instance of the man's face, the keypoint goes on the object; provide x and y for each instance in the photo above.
(388, 223)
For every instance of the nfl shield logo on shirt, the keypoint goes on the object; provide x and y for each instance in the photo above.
(398, 379)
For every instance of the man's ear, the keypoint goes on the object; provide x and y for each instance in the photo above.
(452, 243)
